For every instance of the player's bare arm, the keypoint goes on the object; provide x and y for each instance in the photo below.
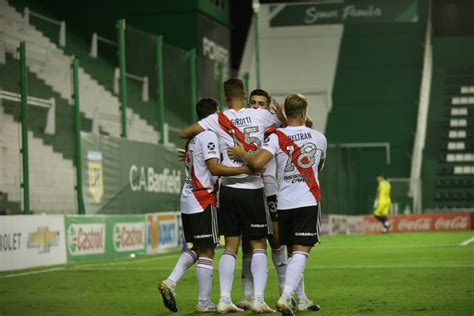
(217, 169)
(190, 131)
(278, 108)
(255, 161)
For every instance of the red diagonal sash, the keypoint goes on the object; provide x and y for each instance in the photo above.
(200, 192)
(284, 141)
(270, 131)
(233, 131)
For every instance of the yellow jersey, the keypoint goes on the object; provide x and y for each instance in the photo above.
(383, 192)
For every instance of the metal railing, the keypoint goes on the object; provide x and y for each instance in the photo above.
(95, 44)
(50, 104)
(62, 24)
(41, 56)
(143, 80)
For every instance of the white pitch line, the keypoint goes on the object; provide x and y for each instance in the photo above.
(467, 242)
(85, 266)
(128, 262)
(120, 269)
(307, 267)
(316, 267)
(402, 266)
(30, 272)
(388, 247)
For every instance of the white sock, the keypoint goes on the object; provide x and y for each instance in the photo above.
(294, 272)
(259, 271)
(185, 261)
(299, 291)
(247, 278)
(204, 276)
(226, 274)
(280, 262)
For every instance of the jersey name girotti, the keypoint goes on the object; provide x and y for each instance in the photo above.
(200, 187)
(298, 151)
(246, 126)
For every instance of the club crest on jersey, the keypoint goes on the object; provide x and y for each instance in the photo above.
(95, 175)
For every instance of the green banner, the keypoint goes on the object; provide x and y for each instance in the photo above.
(104, 236)
(348, 11)
(122, 176)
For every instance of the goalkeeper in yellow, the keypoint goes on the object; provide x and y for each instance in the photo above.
(382, 201)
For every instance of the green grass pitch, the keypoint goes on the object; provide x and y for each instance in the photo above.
(395, 274)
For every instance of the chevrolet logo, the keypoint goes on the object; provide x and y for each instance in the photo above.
(43, 239)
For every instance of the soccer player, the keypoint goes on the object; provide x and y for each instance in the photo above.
(241, 199)
(300, 154)
(261, 99)
(382, 201)
(199, 214)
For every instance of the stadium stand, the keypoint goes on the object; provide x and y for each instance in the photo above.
(52, 166)
(51, 175)
(52, 65)
(102, 66)
(448, 169)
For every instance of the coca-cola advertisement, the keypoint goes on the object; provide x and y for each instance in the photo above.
(418, 223)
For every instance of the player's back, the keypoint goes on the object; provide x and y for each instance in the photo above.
(247, 126)
(200, 184)
(300, 150)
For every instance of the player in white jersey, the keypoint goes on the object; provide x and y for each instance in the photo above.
(242, 202)
(199, 213)
(300, 153)
(261, 99)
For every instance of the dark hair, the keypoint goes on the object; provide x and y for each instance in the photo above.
(206, 107)
(380, 174)
(234, 88)
(262, 93)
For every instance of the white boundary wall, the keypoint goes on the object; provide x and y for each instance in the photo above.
(31, 240)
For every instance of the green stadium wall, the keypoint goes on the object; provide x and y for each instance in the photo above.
(375, 100)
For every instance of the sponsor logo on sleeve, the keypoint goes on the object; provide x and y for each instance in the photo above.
(211, 148)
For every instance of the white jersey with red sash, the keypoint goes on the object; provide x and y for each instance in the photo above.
(298, 151)
(246, 126)
(200, 187)
(270, 182)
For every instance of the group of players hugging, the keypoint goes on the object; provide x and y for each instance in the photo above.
(251, 176)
